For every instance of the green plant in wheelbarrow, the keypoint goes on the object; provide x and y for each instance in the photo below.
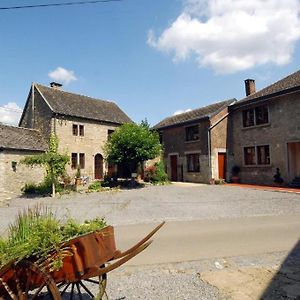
(37, 233)
(42, 252)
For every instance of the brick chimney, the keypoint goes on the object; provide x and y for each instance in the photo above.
(55, 85)
(250, 86)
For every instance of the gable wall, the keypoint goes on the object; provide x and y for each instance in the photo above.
(40, 118)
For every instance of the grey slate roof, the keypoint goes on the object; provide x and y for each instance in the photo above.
(76, 105)
(196, 114)
(292, 81)
(20, 138)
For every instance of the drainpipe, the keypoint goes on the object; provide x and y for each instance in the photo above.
(32, 106)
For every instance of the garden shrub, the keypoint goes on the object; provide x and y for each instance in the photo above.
(156, 174)
(95, 186)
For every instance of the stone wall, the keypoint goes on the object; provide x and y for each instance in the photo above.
(37, 114)
(92, 143)
(174, 143)
(11, 180)
(283, 127)
(218, 140)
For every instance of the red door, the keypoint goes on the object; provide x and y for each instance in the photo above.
(222, 165)
(98, 166)
(173, 159)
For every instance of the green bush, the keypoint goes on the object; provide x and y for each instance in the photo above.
(156, 174)
(95, 186)
(43, 188)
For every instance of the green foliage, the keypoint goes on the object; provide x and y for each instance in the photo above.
(95, 186)
(38, 233)
(132, 143)
(156, 174)
(78, 172)
(54, 163)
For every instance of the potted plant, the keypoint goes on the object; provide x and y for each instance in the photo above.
(235, 174)
(78, 176)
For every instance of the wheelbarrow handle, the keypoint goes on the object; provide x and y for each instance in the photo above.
(144, 240)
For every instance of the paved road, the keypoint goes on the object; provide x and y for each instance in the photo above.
(197, 240)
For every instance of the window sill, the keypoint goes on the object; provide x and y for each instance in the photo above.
(256, 126)
(190, 142)
(257, 166)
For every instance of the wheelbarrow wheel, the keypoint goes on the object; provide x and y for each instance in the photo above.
(92, 288)
(29, 282)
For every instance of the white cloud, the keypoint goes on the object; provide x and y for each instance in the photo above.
(62, 75)
(10, 113)
(178, 112)
(232, 35)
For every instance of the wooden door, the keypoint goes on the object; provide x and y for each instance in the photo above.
(222, 165)
(174, 175)
(98, 166)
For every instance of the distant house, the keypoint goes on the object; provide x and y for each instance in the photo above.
(82, 125)
(264, 132)
(195, 143)
(15, 144)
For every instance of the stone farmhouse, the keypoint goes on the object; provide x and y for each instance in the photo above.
(82, 125)
(15, 144)
(195, 143)
(264, 133)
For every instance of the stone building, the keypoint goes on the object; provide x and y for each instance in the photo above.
(195, 143)
(15, 144)
(82, 125)
(264, 132)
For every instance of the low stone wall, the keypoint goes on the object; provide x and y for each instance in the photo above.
(13, 179)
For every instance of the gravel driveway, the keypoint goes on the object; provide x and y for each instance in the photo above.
(176, 202)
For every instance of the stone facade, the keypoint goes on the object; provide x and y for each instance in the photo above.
(90, 144)
(37, 114)
(281, 134)
(13, 179)
(212, 131)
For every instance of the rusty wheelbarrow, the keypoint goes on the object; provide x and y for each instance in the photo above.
(84, 269)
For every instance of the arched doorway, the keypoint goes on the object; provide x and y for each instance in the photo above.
(98, 163)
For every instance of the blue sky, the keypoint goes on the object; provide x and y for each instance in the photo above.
(152, 58)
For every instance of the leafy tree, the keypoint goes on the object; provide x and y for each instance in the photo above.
(132, 144)
(54, 162)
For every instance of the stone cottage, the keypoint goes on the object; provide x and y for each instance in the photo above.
(195, 143)
(264, 133)
(17, 143)
(82, 125)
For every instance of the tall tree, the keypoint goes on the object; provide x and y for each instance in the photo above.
(132, 144)
(54, 162)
